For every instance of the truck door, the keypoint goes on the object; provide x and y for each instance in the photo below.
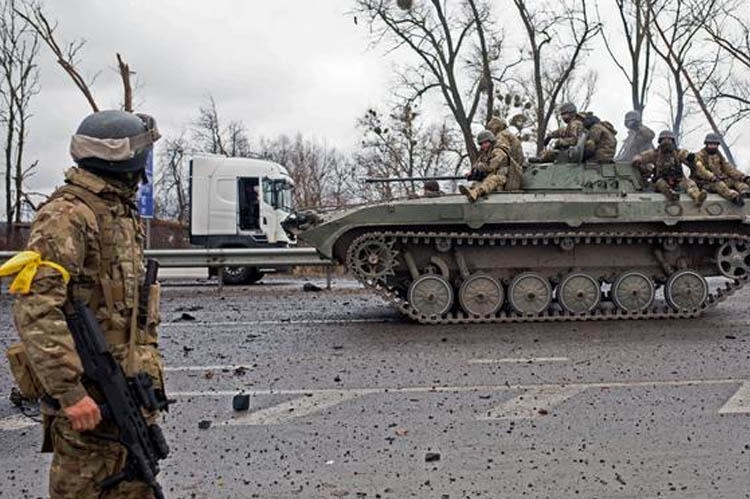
(249, 205)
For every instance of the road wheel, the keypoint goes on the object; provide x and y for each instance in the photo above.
(241, 275)
(481, 295)
(686, 290)
(431, 295)
(530, 293)
(578, 293)
(633, 291)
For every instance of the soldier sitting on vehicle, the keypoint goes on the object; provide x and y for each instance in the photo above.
(490, 170)
(566, 136)
(513, 145)
(663, 168)
(639, 137)
(601, 143)
(715, 174)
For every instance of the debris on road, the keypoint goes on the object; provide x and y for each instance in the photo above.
(185, 317)
(241, 402)
(186, 350)
(204, 424)
(431, 457)
(401, 432)
(310, 287)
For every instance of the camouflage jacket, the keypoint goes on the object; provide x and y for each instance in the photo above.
(635, 143)
(601, 143)
(494, 160)
(710, 166)
(512, 146)
(66, 231)
(568, 135)
(661, 165)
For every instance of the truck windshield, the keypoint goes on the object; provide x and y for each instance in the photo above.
(278, 193)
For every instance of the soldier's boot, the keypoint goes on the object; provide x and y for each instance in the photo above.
(697, 195)
(743, 189)
(472, 194)
(662, 186)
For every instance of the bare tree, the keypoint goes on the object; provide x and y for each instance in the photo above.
(440, 37)
(400, 145)
(171, 182)
(558, 38)
(207, 131)
(19, 83)
(635, 17)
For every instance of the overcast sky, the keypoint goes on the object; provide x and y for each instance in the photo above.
(281, 66)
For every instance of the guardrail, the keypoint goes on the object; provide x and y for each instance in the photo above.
(229, 257)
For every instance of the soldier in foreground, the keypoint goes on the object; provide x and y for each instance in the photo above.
(90, 233)
(714, 173)
(663, 168)
(601, 143)
(639, 137)
(490, 170)
(513, 146)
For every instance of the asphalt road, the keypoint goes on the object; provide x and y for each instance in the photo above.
(349, 400)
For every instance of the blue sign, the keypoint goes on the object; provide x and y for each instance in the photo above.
(146, 191)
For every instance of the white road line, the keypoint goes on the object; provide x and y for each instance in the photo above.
(16, 422)
(455, 389)
(229, 367)
(533, 403)
(275, 322)
(292, 409)
(528, 360)
(739, 403)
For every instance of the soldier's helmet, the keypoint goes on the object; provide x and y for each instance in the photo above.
(431, 186)
(712, 138)
(496, 124)
(114, 142)
(568, 107)
(485, 136)
(667, 134)
(633, 116)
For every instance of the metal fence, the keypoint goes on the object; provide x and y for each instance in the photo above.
(234, 257)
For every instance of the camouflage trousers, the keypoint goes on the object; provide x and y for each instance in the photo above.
(689, 186)
(493, 182)
(722, 189)
(80, 462)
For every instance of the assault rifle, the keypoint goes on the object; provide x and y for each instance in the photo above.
(124, 399)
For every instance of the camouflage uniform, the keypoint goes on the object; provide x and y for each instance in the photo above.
(67, 231)
(512, 145)
(667, 175)
(601, 143)
(566, 136)
(495, 162)
(713, 172)
(637, 141)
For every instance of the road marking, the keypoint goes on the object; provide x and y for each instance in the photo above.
(533, 403)
(293, 409)
(16, 422)
(739, 403)
(229, 367)
(276, 322)
(529, 360)
(455, 389)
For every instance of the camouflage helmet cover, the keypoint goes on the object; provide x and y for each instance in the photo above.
(568, 107)
(712, 138)
(633, 116)
(485, 136)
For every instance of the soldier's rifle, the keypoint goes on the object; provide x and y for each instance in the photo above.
(123, 400)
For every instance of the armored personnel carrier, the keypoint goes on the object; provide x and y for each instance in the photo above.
(580, 241)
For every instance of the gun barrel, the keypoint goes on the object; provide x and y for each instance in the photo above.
(378, 180)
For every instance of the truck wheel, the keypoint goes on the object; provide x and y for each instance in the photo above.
(242, 275)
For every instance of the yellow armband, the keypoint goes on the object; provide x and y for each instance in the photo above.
(26, 264)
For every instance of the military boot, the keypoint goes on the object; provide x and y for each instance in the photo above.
(698, 196)
(663, 187)
(472, 194)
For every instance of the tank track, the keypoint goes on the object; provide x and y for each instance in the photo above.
(657, 311)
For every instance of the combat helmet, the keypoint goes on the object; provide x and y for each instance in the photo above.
(568, 107)
(712, 138)
(485, 136)
(114, 142)
(667, 134)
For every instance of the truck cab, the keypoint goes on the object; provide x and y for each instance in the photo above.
(239, 203)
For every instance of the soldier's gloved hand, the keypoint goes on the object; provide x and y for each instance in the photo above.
(547, 140)
(745, 179)
(84, 415)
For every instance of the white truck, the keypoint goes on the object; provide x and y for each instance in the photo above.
(239, 203)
